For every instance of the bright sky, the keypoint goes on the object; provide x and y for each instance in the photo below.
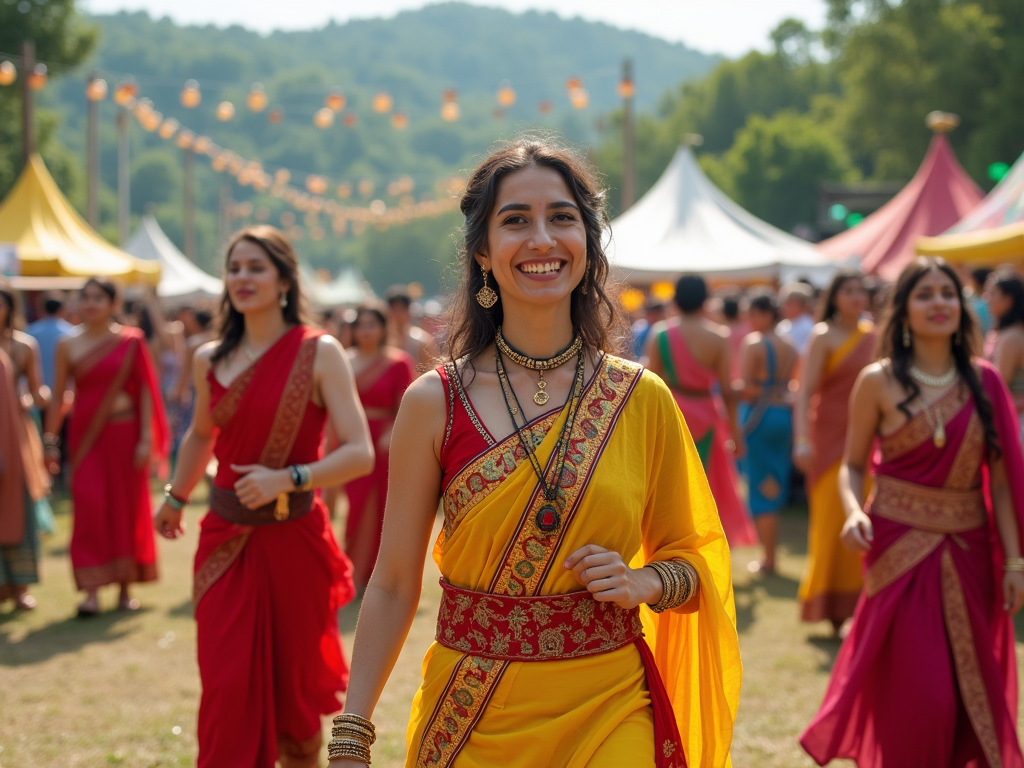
(731, 27)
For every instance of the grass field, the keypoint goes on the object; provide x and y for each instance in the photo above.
(122, 689)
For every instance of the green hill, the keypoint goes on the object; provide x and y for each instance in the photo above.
(415, 56)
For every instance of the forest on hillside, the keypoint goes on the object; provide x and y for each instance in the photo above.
(845, 103)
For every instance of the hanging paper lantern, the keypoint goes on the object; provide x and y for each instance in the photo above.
(281, 176)
(201, 145)
(257, 98)
(506, 96)
(96, 89)
(449, 96)
(37, 78)
(323, 118)
(627, 88)
(152, 121)
(185, 139)
(225, 111)
(349, 119)
(573, 83)
(125, 91)
(579, 98)
(8, 73)
(168, 128)
(143, 107)
(344, 190)
(219, 162)
(190, 94)
(366, 187)
(316, 184)
(235, 164)
(450, 111)
(335, 101)
(378, 207)
(545, 106)
(382, 103)
(400, 120)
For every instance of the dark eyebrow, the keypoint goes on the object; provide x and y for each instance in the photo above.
(564, 204)
(513, 207)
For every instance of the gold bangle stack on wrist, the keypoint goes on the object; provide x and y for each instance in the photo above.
(1014, 564)
(679, 581)
(352, 737)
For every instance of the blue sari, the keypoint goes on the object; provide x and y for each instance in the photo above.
(767, 465)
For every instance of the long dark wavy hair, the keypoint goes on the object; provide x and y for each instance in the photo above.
(594, 316)
(10, 298)
(1010, 283)
(829, 310)
(965, 343)
(282, 256)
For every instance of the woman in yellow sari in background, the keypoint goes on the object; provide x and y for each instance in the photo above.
(587, 617)
(842, 343)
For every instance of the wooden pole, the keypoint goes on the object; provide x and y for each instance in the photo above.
(123, 178)
(628, 142)
(28, 133)
(92, 158)
(189, 213)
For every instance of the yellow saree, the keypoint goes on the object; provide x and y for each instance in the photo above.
(636, 486)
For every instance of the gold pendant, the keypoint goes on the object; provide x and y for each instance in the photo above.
(939, 438)
(281, 510)
(541, 397)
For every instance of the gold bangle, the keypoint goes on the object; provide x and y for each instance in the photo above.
(680, 583)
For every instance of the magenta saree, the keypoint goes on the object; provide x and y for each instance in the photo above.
(927, 676)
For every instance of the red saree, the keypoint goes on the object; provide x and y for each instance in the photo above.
(266, 597)
(927, 676)
(113, 541)
(380, 387)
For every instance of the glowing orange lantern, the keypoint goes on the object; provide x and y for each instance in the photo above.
(382, 103)
(201, 145)
(400, 120)
(323, 118)
(506, 96)
(143, 108)
(152, 121)
(235, 164)
(449, 96)
(191, 95)
(257, 98)
(344, 190)
(220, 162)
(579, 98)
(366, 187)
(96, 89)
(185, 139)
(8, 73)
(450, 111)
(281, 176)
(125, 91)
(627, 88)
(37, 78)
(169, 128)
(573, 83)
(316, 184)
(225, 111)
(335, 101)
(349, 119)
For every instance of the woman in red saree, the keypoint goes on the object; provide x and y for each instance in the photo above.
(842, 343)
(116, 430)
(383, 374)
(927, 677)
(693, 357)
(575, 507)
(269, 576)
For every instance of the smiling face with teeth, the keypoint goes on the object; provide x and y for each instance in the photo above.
(536, 247)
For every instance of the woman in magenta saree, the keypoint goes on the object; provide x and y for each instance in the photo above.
(117, 429)
(927, 675)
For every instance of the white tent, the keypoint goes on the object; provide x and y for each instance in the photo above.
(685, 224)
(180, 279)
(347, 289)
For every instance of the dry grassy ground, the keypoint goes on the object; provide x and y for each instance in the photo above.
(123, 689)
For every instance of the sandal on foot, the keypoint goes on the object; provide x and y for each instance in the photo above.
(131, 605)
(87, 612)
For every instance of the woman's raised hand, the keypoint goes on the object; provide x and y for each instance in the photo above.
(610, 580)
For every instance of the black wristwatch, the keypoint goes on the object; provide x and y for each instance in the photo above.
(296, 475)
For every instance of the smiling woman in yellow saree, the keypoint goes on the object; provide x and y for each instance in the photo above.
(587, 615)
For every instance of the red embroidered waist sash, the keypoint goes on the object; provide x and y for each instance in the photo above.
(539, 628)
(944, 510)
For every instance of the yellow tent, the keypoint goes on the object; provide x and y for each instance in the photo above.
(988, 246)
(52, 240)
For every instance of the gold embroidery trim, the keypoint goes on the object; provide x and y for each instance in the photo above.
(945, 510)
(292, 408)
(908, 550)
(964, 472)
(217, 564)
(965, 658)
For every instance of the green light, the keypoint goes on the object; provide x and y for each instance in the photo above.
(854, 219)
(997, 171)
(837, 212)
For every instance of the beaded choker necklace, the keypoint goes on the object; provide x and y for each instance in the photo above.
(549, 516)
(933, 381)
(540, 365)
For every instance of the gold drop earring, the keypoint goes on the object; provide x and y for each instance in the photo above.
(486, 297)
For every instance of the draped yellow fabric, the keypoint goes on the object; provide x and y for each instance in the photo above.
(648, 499)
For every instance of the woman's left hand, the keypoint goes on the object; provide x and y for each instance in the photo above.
(1013, 591)
(610, 580)
(261, 485)
(142, 451)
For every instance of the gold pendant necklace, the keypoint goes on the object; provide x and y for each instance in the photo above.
(939, 429)
(540, 397)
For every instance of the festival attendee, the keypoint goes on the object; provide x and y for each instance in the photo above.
(551, 512)
(23, 478)
(692, 355)
(406, 335)
(736, 322)
(841, 345)
(269, 576)
(382, 374)
(48, 331)
(117, 429)
(975, 294)
(927, 676)
(767, 364)
(798, 320)
(654, 312)
(1004, 346)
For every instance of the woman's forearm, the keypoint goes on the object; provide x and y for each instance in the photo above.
(193, 456)
(384, 621)
(1006, 519)
(344, 463)
(851, 488)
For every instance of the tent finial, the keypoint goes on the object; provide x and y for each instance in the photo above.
(692, 139)
(942, 122)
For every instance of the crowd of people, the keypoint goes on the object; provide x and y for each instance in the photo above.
(591, 480)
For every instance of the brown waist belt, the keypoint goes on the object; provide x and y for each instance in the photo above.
(532, 628)
(943, 510)
(226, 504)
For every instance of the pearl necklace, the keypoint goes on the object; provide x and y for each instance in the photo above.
(933, 381)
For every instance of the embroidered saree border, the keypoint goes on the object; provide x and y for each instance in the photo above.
(527, 560)
(966, 465)
(102, 415)
(294, 399)
(217, 564)
(904, 554)
(920, 428)
(120, 571)
(227, 406)
(89, 360)
(965, 659)
(945, 510)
